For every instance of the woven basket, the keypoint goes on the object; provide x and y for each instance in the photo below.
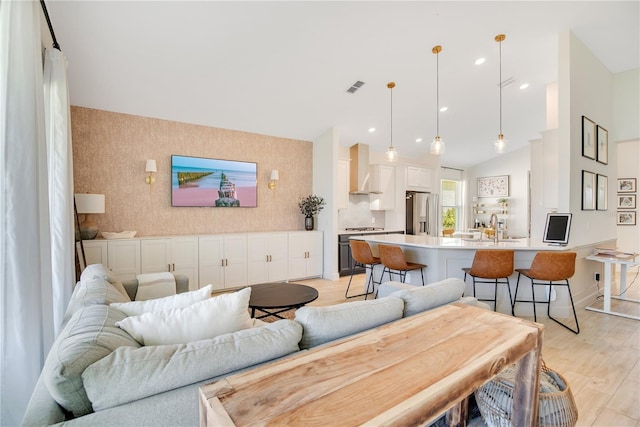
(495, 401)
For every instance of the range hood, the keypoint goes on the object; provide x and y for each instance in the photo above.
(359, 178)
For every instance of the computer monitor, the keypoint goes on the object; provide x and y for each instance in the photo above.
(556, 230)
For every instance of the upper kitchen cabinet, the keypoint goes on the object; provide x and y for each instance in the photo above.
(342, 199)
(383, 187)
(418, 179)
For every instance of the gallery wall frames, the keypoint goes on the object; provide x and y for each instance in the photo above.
(626, 218)
(603, 145)
(602, 193)
(588, 138)
(626, 200)
(588, 191)
(626, 185)
(493, 186)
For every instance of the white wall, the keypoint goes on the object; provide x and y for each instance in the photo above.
(325, 173)
(626, 106)
(585, 88)
(629, 167)
(516, 165)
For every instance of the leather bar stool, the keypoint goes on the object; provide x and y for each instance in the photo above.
(361, 254)
(393, 258)
(546, 269)
(491, 266)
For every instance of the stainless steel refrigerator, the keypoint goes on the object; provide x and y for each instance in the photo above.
(422, 213)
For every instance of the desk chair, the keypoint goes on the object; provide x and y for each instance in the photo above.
(361, 254)
(491, 266)
(547, 268)
(393, 258)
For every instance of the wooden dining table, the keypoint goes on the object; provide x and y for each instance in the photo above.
(408, 372)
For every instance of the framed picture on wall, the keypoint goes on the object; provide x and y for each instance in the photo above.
(588, 138)
(493, 186)
(626, 201)
(603, 145)
(626, 218)
(602, 194)
(626, 185)
(588, 191)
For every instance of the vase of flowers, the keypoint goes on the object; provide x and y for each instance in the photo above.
(309, 207)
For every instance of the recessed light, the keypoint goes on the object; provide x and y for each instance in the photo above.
(524, 85)
(418, 139)
(480, 61)
(443, 109)
(371, 130)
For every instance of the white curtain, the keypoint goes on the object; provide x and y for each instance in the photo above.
(26, 309)
(60, 165)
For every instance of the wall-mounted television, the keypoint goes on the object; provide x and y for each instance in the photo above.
(199, 181)
(556, 229)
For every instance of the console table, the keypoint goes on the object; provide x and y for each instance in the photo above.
(408, 372)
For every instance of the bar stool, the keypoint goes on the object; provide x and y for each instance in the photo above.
(490, 266)
(546, 268)
(393, 258)
(361, 253)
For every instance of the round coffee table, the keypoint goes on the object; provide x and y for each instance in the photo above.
(275, 298)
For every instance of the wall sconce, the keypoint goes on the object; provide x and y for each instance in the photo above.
(150, 168)
(273, 179)
(89, 204)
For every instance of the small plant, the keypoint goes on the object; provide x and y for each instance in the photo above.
(502, 200)
(311, 205)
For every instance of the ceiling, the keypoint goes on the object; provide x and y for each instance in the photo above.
(283, 68)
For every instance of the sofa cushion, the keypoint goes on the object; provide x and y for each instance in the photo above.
(155, 369)
(155, 285)
(93, 290)
(324, 324)
(88, 336)
(99, 271)
(136, 308)
(433, 295)
(215, 316)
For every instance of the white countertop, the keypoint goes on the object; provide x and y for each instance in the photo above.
(460, 243)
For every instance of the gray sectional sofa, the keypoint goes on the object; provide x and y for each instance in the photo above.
(96, 374)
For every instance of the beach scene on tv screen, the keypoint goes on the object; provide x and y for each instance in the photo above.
(197, 181)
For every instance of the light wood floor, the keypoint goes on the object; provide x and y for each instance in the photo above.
(601, 364)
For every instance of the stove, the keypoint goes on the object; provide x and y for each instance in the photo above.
(364, 229)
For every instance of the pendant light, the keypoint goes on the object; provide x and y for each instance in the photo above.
(499, 144)
(437, 145)
(391, 154)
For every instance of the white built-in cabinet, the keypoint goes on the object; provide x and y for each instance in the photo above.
(383, 185)
(418, 179)
(223, 261)
(267, 257)
(226, 261)
(122, 257)
(174, 254)
(342, 196)
(305, 254)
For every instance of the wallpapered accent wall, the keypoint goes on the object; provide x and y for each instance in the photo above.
(109, 155)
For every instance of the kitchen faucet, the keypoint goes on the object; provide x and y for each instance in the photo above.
(493, 223)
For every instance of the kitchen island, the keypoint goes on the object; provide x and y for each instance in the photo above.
(446, 256)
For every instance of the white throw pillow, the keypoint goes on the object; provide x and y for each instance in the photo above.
(203, 320)
(185, 299)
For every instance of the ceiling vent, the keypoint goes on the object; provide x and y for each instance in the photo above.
(354, 87)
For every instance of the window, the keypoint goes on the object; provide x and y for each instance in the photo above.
(451, 203)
